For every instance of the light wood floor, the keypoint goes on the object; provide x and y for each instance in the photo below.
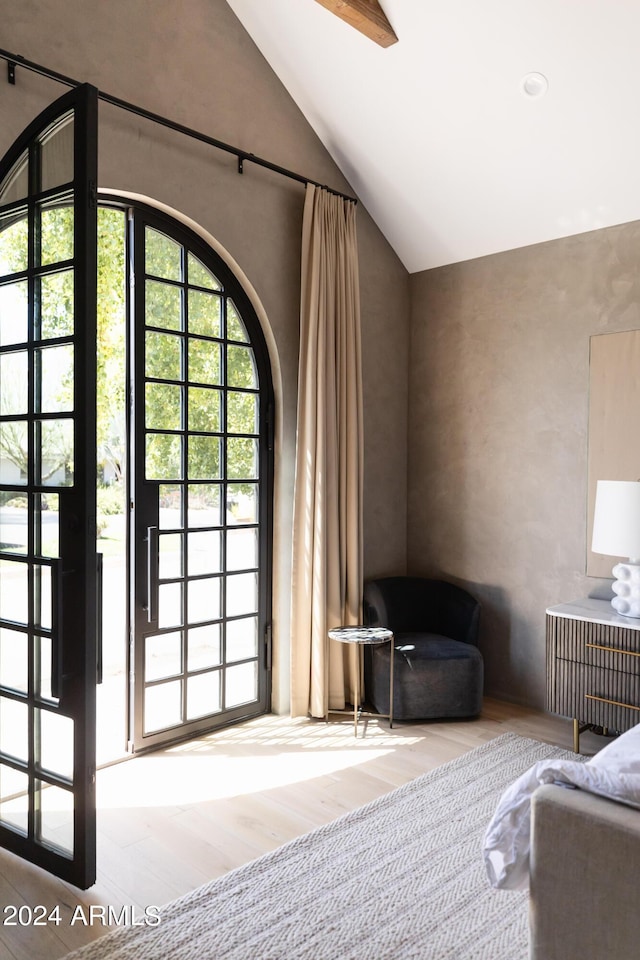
(170, 821)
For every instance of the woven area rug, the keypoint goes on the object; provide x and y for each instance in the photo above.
(398, 879)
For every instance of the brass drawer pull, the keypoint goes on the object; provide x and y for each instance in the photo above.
(614, 703)
(599, 646)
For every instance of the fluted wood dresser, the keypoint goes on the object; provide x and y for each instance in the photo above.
(593, 666)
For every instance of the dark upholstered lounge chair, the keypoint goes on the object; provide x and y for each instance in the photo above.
(438, 669)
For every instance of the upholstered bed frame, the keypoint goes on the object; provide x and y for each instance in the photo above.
(584, 877)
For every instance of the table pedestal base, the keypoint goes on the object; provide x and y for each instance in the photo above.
(360, 636)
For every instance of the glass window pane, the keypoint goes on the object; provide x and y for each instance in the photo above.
(54, 379)
(204, 313)
(14, 237)
(163, 256)
(54, 453)
(242, 639)
(56, 232)
(14, 456)
(204, 505)
(242, 594)
(56, 305)
(203, 600)
(235, 326)
(203, 695)
(163, 356)
(47, 525)
(14, 729)
(242, 459)
(162, 656)
(14, 659)
(170, 605)
(204, 409)
(242, 548)
(43, 668)
(163, 406)
(200, 276)
(170, 503)
(163, 457)
(163, 305)
(56, 817)
(204, 552)
(14, 525)
(15, 185)
(204, 458)
(204, 362)
(56, 155)
(14, 600)
(14, 384)
(242, 503)
(241, 369)
(162, 706)
(241, 684)
(242, 412)
(204, 649)
(170, 558)
(14, 798)
(13, 313)
(42, 607)
(56, 743)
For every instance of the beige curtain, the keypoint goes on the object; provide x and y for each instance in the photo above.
(327, 531)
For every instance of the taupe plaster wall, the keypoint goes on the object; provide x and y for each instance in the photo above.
(191, 60)
(499, 379)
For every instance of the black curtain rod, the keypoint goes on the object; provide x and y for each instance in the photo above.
(14, 60)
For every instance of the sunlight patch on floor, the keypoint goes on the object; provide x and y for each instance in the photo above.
(254, 757)
(170, 780)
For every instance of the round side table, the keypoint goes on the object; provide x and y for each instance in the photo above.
(361, 635)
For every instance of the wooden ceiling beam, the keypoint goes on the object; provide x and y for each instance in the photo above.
(367, 16)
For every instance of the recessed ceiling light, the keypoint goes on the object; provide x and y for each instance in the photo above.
(535, 85)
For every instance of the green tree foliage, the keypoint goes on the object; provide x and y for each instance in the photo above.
(53, 364)
(186, 353)
(193, 366)
(111, 332)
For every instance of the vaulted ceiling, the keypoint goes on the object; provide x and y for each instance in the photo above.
(488, 125)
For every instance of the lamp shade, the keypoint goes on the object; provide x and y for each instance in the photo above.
(616, 519)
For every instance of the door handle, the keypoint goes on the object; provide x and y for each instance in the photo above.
(99, 595)
(56, 629)
(153, 562)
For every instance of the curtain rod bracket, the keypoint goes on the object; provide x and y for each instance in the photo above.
(241, 159)
(11, 72)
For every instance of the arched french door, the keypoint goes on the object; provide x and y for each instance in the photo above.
(201, 469)
(47, 489)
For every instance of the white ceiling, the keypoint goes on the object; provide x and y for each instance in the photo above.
(435, 134)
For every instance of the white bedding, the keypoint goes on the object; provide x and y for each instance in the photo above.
(614, 772)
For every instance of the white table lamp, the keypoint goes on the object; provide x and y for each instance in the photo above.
(616, 533)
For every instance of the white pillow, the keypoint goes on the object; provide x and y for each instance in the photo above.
(614, 772)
